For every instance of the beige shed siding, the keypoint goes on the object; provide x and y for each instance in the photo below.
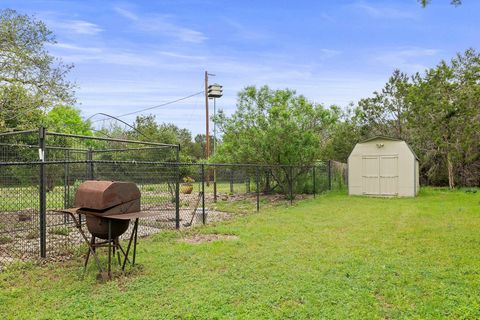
(391, 170)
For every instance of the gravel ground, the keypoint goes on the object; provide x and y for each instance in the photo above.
(19, 235)
(19, 239)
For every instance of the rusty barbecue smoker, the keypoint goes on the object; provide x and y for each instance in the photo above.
(108, 207)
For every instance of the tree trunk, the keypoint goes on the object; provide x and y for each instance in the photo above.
(451, 175)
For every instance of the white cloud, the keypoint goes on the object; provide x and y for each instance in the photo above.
(75, 26)
(383, 12)
(244, 32)
(328, 53)
(173, 54)
(408, 59)
(126, 13)
(161, 24)
(84, 27)
(74, 47)
(79, 54)
(115, 58)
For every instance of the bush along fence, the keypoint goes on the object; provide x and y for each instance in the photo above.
(40, 171)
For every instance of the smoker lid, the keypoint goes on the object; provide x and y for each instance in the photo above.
(101, 195)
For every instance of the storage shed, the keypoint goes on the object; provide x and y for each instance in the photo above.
(383, 166)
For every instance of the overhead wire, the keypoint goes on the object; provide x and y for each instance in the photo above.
(192, 117)
(120, 120)
(153, 107)
(138, 111)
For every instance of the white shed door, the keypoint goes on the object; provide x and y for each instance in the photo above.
(371, 175)
(389, 175)
(380, 175)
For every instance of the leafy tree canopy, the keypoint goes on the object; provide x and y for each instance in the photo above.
(18, 110)
(148, 129)
(66, 119)
(273, 127)
(30, 78)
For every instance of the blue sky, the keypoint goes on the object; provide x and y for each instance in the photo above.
(130, 55)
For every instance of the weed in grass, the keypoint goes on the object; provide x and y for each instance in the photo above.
(61, 231)
(185, 203)
(32, 234)
(150, 188)
(5, 239)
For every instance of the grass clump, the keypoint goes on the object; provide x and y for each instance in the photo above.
(32, 234)
(5, 239)
(61, 231)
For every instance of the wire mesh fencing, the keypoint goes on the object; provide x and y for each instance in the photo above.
(40, 172)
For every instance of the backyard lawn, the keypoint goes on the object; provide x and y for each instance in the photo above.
(330, 257)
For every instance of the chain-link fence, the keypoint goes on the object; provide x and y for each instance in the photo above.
(40, 172)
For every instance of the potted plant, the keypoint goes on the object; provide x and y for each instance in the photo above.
(187, 185)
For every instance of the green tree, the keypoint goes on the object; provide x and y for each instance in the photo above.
(273, 127)
(386, 112)
(29, 75)
(445, 112)
(199, 142)
(149, 130)
(67, 119)
(344, 133)
(18, 110)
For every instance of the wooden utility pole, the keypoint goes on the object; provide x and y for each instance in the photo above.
(207, 136)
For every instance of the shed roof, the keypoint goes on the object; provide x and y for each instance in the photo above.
(380, 137)
(392, 139)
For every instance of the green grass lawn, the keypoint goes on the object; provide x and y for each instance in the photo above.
(330, 257)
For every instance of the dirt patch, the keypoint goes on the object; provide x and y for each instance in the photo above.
(202, 238)
(271, 198)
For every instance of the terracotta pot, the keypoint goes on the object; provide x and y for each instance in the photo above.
(186, 188)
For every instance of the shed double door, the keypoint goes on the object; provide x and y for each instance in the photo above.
(380, 175)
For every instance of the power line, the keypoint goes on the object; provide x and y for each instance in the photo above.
(115, 118)
(154, 107)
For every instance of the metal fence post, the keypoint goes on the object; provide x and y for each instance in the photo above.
(267, 182)
(329, 168)
(314, 182)
(65, 182)
(177, 190)
(66, 187)
(257, 178)
(215, 184)
(43, 193)
(291, 185)
(231, 181)
(91, 174)
(203, 194)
